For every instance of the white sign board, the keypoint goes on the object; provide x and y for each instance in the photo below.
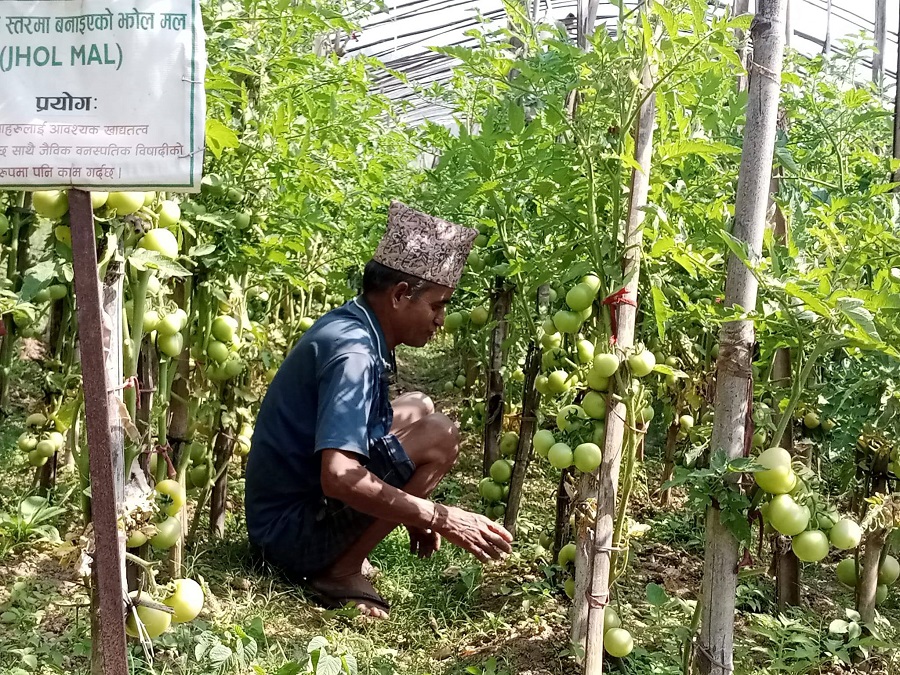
(101, 94)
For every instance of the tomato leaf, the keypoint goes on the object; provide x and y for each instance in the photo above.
(219, 137)
(143, 259)
(859, 316)
(656, 595)
(661, 311)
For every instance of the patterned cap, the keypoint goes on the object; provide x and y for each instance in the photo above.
(424, 246)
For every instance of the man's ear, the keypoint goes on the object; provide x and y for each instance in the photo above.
(400, 291)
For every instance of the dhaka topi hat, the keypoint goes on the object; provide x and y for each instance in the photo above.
(424, 246)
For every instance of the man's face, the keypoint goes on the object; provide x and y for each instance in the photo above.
(420, 316)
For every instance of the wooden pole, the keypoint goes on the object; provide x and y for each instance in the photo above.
(880, 42)
(873, 544)
(594, 546)
(494, 396)
(98, 343)
(530, 403)
(734, 385)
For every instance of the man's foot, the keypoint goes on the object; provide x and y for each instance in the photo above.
(354, 589)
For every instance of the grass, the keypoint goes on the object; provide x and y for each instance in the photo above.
(450, 615)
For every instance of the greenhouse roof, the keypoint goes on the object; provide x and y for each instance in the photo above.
(402, 35)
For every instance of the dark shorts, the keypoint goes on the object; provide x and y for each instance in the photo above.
(326, 528)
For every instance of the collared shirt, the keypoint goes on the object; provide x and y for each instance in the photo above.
(330, 392)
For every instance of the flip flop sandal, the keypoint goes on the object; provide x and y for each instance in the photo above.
(330, 600)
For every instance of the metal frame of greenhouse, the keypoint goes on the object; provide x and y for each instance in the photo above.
(401, 36)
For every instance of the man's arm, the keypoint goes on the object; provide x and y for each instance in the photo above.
(345, 479)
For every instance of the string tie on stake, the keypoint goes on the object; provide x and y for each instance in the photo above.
(620, 297)
(129, 383)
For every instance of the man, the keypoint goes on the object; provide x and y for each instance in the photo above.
(335, 464)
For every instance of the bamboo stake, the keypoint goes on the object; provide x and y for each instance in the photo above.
(595, 545)
(880, 42)
(734, 387)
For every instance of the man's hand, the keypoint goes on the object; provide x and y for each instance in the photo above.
(423, 543)
(478, 535)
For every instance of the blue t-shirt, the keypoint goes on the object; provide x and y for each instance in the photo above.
(330, 392)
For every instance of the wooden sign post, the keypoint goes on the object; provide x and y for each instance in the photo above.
(105, 469)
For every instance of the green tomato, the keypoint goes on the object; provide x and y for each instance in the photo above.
(169, 325)
(509, 443)
(217, 351)
(58, 291)
(571, 418)
(98, 199)
(542, 442)
(587, 457)
(845, 534)
(151, 320)
(453, 322)
(579, 297)
(618, 642)
(490, 490)
(136, 539)
(170, 345)
(200, 475)
(686, 422)
(50, 204)
(155, 621)
(173, 495)
(125, 203)
(479, 316)
(566, 555)
(27, 441)
(787, 516)
(592, 282)
(610, 619)
(811, 420)
(233, 366)
(566, 321)
(642, 363)
(778, 478)
(596, 381)
(811, 546)
(585, 351)
(561, 456)
(606, 365)
(551, 340)
(45, 448)
(594, 405)
(168, 532)
(35, 458)
(558, 381)
(889, 571)
(224, 328)
(501, 471)
(475, 262)
(305, 324)
(186, 600)
(846, 572)
(160, 240)
(169, 214)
